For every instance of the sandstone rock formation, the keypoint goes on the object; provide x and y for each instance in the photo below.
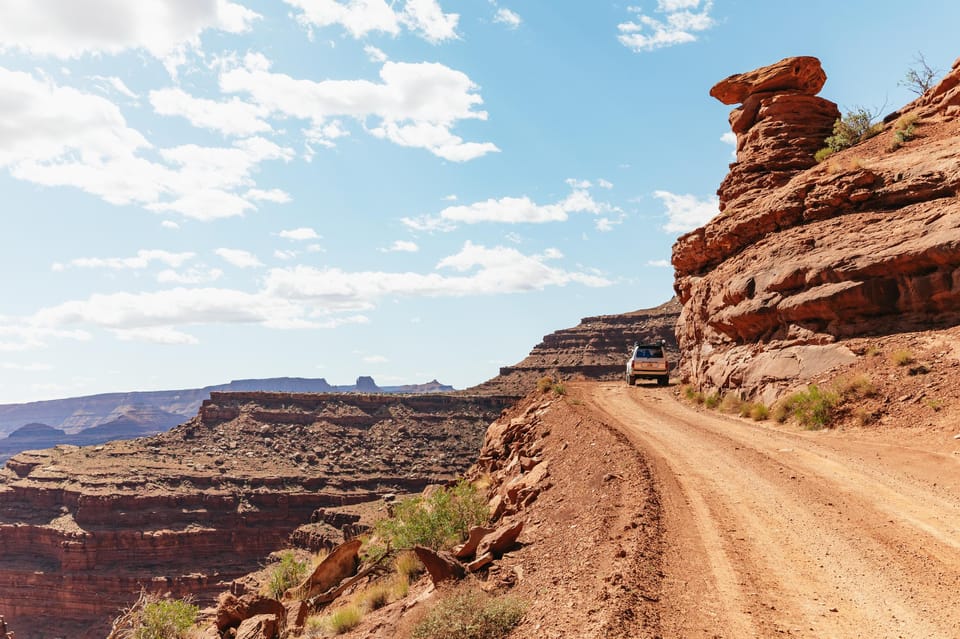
(597, 348)
(82, 529)
(804, 255)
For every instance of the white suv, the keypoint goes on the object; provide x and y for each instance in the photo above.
(648, 361)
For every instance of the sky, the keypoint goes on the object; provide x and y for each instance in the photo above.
(195, 191)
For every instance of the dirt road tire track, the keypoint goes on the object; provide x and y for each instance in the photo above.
(774, 532)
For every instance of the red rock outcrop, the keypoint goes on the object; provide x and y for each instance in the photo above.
(596, 348)
(805, 255)
(82, 529)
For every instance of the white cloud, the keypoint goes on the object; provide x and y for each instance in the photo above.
(495, 271)
(604, 184)
(450, 198)
(143, 259)
(170, 224)
(300, 234)
(729, 138)
(271, 195)
(659, 263)
(156, 335)
(687, 212)
(512, 210)
(290, 298)
(682, 20)
(402, 246)
(230, 117)
(239, 257)
(507, 17)
(58, 136)
(190, 276)
(604, 224)
(360, 17)
(116, 84)
(415, 104)
(164, 28)
(375, 54)
(285, 255)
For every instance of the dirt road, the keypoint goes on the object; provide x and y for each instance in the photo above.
(773, 532)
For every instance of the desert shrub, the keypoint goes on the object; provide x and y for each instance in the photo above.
(469, 613)
(903, 131)
(901, 357)
(342, 619)
(857, 125)
(934, 404)
(438, 521)
(780, 411)
(689, 392)
(288, 573)
(399, 586)
(864, 417)
(153, 618)
(812, 408)
(872, 351)
(712, 400)
(374, 597)
(856, 387)
(699, 397)
(559, 388)
(919, 78)
(758, 412)
(545, 383)
(731, 403)
(407, 565)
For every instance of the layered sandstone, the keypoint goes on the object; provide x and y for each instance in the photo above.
(82, 529)
(597, 348)
(805, 255)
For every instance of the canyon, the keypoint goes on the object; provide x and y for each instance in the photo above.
(187, 511)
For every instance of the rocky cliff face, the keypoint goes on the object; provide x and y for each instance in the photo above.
(804, 255)
(82, 529)
(596, 348)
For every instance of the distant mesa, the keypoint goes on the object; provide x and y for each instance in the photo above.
(95, 419)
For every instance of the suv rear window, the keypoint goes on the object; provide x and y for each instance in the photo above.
(649, 352)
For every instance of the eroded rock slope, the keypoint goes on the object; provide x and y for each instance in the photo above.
(82, 529)
(804, 255)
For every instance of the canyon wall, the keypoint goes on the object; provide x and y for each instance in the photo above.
(596, 348)
(187, 511)
(804, 255)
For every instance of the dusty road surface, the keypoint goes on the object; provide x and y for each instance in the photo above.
(772, 531)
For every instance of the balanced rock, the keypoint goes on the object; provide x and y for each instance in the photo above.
(801, 74)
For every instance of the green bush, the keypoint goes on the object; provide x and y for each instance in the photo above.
(731, 403)
(559, 388)
(289, 572)
(166, 619)
(759, 412)
(343, 619)
(856, 126)
(544, 384)
(712, 400)
(438, 521)
(468, 613)
(812, 408)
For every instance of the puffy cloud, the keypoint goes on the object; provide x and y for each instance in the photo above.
(230, 117)
(682, 20)
(164, 28)
(401, 246)
(494, 271)
(59, 136)
(141, 260)
(507, 17)
(512, 210)
(271, 195)
(300, 234)
(239, 257)
(170, 225)
(416, 104)
(290, 298)
(659, 263)
(190, 276)
(687, 212)
(360, 17)
(375, 54)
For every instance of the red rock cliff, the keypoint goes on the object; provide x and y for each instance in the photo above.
(804, 255)
(82, 529)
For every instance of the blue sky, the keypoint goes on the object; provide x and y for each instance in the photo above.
(202, 190)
